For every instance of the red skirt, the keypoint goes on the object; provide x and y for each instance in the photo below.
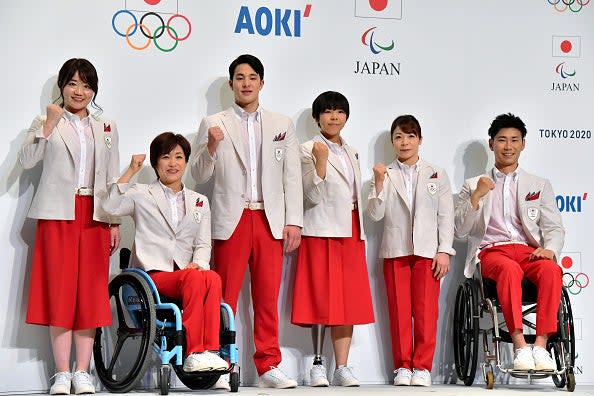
(70, 272)
(331, 281)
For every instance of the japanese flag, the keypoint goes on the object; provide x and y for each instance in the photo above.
(386, 9)
(157, 6)
(571, 261)
(567, 46)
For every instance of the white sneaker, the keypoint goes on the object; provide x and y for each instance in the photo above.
(61, 384)
(420, 378)
(275, 378)
(542, 359)
(82, 383)
(403, 376)
(197, 362)
(222, 383)
(216, 362)
(523, 359)
(343, 376)
(317, 376)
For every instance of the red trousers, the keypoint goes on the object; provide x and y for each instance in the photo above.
(508, 265)
(413, 293)
(200, 294)
(252, 243)
(70, 271)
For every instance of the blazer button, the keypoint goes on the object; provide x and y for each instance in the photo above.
(242, 195)
(244, 172)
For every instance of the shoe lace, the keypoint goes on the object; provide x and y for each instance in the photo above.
(402, 371)
(61, 377)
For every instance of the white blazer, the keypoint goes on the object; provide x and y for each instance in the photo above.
(328, 204)
(157, 243)
(281, 172)
(431, 230)
(54, 198)
(539, 215)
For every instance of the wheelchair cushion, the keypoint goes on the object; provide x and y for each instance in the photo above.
(528, 290)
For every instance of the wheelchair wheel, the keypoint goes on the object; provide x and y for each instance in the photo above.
(570, 377)
(490, 380)
(122, 351)
(164, 378)
(563, 348)
(234, 380)
(466, 331)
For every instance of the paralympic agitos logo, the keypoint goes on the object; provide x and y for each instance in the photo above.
(142, 23)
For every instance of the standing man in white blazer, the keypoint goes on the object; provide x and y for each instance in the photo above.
(257, 208)
(514, 228)
(415, 200)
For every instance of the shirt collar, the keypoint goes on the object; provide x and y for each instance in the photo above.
(169, 192)
(241, 113)
(406, 167)
(330, 144)
(497, 174)
(76, 119)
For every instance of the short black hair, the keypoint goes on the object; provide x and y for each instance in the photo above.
(329, 100)
(250, 60)
(164, 143)
(507, 121)
(407, 124)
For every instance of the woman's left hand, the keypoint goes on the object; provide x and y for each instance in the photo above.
(440, 265)
(114, 238)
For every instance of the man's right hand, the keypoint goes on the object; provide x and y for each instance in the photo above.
(483, 186)
(215, 135)
(54, 113)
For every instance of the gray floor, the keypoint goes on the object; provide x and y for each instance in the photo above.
(443, 390)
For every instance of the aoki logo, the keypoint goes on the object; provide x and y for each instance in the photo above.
(368, 40)
(285, 22)
(570, 203)
(151, 24)
(563, 71)
(572, 5)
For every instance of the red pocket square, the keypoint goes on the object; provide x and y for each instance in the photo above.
(433, 176)
(279, 137)
(199, 203)
(106, 127)
(532, 196)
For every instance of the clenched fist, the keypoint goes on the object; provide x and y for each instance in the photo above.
(483, 186)
(136, 162)
(379, 172)
(54, 113)
(320, 151)
(215, 135)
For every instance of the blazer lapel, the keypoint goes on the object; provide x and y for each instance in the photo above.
(233, 129)
(100, 137)
(398, 182)
(523, 191)
(162, 203)
(68, 136)
(354, 163)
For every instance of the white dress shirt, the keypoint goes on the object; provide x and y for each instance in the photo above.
(84, 152)
(251, 131)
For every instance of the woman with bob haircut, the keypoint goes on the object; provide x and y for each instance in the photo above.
(331, 280)
(172, 243)
(415, 200)
(75, 237)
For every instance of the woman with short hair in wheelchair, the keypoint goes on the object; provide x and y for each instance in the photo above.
(172, 243)
(74, 236)
(415, 200)
(514, 228)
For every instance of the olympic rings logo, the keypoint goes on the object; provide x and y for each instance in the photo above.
(146, 32)
(572, 5)
(576, 283)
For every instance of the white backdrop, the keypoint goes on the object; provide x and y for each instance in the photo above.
(455, 65)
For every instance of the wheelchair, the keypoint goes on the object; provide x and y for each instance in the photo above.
(476, 298)
(143, 321)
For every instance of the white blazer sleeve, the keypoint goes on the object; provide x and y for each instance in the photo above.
(314, 187)
(465, 216)
(292, 183)
(119, 201)
(445, 217)
(376, 203)
(550, 222)
(203, 164)
(202, 242)
(33, 148)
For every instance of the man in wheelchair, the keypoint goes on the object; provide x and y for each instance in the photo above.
(514, 229)
(172, 243)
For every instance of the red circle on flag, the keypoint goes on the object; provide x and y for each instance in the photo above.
(378, 5)
(566, 262)
(566, 46)
(152, 2)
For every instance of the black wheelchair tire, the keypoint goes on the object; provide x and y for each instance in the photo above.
(164, 378)
(136, 372)
(234, 379)
(466, 331)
